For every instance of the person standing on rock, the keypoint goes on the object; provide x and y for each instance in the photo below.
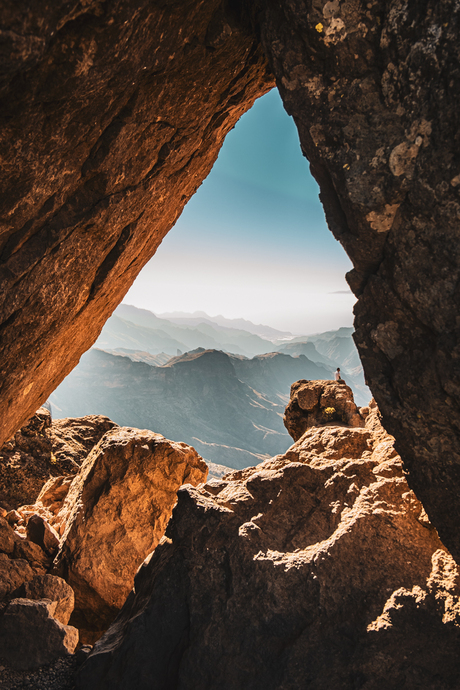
(338, 376)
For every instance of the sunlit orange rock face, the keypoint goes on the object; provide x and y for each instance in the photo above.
(111, 116)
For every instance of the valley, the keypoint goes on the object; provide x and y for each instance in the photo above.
(226, 404)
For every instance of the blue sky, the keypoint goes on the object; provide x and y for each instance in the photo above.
(253, 241)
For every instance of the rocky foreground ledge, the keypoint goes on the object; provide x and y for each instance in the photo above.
(68, 560)
(316, 569)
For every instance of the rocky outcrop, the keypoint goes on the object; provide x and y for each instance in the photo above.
(114, 515)
(313, 569)
(117, 506)
(124, 109)
(44, 448)
(30, 635)
(319, 403)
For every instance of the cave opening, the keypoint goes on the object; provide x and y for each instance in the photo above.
(252, 242)
(249, 269)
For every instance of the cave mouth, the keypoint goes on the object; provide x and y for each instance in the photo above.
(113, 114)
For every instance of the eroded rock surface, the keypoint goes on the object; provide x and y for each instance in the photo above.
(44, 448)
(317, 403)
(318, 568)
(124, 108)
(30, 635)
(53, 588)
(114, 514)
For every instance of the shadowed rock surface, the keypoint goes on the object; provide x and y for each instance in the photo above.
(30, 636)
(314, 569)
(52, 588)
(114, 515)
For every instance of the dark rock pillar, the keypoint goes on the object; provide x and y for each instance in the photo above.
(374, 90)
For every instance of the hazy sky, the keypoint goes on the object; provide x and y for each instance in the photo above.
(253, 241)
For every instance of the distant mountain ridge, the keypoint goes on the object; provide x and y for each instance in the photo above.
(197, 398)
(139, 329)
(202, 383)
(242, 324)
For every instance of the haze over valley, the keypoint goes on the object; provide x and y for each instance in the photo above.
(198, 379)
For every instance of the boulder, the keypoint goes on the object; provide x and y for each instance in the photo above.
(73, 438)
(43, 450)
(320, 403)
(40, 532)
(53, 588)
(317, 569)
(32, 553)
(115, 513)
(30, 636)
(13, 573)
(13, 517)
(7, 537)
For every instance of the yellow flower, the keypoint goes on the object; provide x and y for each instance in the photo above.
(319, 27)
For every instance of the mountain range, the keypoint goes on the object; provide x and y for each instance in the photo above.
(229, 406)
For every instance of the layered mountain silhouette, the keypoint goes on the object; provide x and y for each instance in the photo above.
(206, 398)
(228, 405)
(139, 329)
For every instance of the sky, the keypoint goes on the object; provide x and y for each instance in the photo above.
(253, 242)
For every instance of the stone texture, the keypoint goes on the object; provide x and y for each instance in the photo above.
(115, 513)
(40, 532)
(7, 537)
(20, 559)
(42, 448)
(32, 553)
(72, 439)
(53, 588)
(30, 637)
(315, 569)
(13, 573)
(318, 403)
(124, 108)
(374, 91)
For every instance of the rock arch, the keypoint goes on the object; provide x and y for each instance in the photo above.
(113, 113)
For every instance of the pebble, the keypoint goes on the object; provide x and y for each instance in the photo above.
(59, 675)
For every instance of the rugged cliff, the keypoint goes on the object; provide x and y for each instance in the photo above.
(374, 90)
(317, 569)
(112, 114)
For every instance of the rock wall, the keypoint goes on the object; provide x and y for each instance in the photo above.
(374, 90)
(315, 569)
(111, 116)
